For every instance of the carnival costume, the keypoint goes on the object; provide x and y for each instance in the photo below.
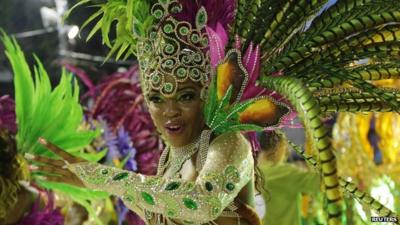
(304, 60)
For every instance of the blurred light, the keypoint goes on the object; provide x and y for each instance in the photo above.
(73, 32)
(50, 17)
(382, 192)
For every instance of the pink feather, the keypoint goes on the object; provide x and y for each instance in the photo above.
(217, 42)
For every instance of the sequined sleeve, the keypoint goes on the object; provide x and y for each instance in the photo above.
(227, 169)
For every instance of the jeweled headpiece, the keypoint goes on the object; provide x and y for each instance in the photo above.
(173, 51)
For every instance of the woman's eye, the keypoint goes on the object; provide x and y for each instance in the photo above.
(155, 99)
(187, 97)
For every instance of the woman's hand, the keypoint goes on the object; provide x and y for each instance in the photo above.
(57, 170)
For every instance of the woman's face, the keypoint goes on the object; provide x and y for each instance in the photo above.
(179, 118)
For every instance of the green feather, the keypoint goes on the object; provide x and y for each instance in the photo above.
(124, 15)
(53, 114)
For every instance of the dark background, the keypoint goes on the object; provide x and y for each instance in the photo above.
(43, 33)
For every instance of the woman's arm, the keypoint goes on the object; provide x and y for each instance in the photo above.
(228, 167)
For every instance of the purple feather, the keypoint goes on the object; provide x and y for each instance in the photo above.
(7, 114)
(49, 215)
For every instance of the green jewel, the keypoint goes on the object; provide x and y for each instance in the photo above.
(169, 48)
(168, 87)
(183, 30)
(147, 198)
(155, 79)
(201, 18)
(168, 28)
(209, 186)
(121, 176)
(181, 72)
(172, 186)
(153, 35)
(195, 38)
(189, 203)
(104, 171)
(169, 63)
(230, 186)
(204, 41)
(158, 13)
(176, 9)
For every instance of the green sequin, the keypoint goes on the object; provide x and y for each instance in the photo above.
(181, 72)
(183, 30)
(169, 48)
(168, 28)
(169, 62)
(190, 204)
(209, 186)
(104, 171)
(158, 13)
(168, 87)
(155, 79)
(172, 186)
(195, 38)
(153, 35)
(120, 176)
(148, 198)
(204, 41)
(176, 9)
(201, 18)
(230, 186)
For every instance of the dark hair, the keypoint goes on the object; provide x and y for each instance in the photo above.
(8, 153)
(269, 142)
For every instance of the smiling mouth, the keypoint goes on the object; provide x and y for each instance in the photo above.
(174, 129)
